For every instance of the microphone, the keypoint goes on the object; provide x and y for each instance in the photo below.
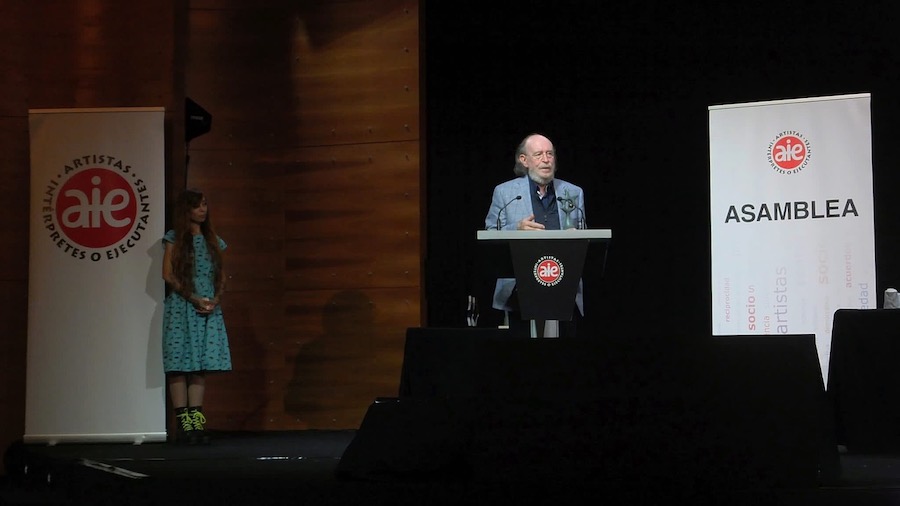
(517, 197)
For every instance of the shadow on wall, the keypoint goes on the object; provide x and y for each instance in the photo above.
(336, 364)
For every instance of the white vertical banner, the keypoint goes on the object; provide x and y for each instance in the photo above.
(792, 224)
(95, 291)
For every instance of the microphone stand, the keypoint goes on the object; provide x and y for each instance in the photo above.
(517, 197)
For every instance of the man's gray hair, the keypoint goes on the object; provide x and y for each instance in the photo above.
(518, 168)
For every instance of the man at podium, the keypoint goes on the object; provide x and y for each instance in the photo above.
(535, 200)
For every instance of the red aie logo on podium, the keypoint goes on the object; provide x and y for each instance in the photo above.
(548, 271)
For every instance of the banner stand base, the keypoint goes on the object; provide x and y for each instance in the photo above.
(133, 438)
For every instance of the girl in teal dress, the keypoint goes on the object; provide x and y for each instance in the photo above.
(194, 337)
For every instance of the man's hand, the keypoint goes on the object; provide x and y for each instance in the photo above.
(529, 224)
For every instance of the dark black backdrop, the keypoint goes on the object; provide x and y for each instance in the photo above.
(622, 90)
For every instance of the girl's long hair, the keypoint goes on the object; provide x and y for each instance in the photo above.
(183, 257)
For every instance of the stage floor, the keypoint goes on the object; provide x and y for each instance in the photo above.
(299, 468)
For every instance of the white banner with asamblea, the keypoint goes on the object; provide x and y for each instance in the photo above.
(95, 291)
(792, 224)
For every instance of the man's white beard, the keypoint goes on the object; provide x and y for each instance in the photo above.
(540, 180)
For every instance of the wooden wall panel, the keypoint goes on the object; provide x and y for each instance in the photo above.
(351, 217)
(101, 53)
(313, 168)
(14, 194)
(13, 58)
(14, 185)
(344, 349)
(238, 69)
(327, 72)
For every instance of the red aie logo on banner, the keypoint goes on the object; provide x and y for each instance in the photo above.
(96, 208)
(789, 152)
